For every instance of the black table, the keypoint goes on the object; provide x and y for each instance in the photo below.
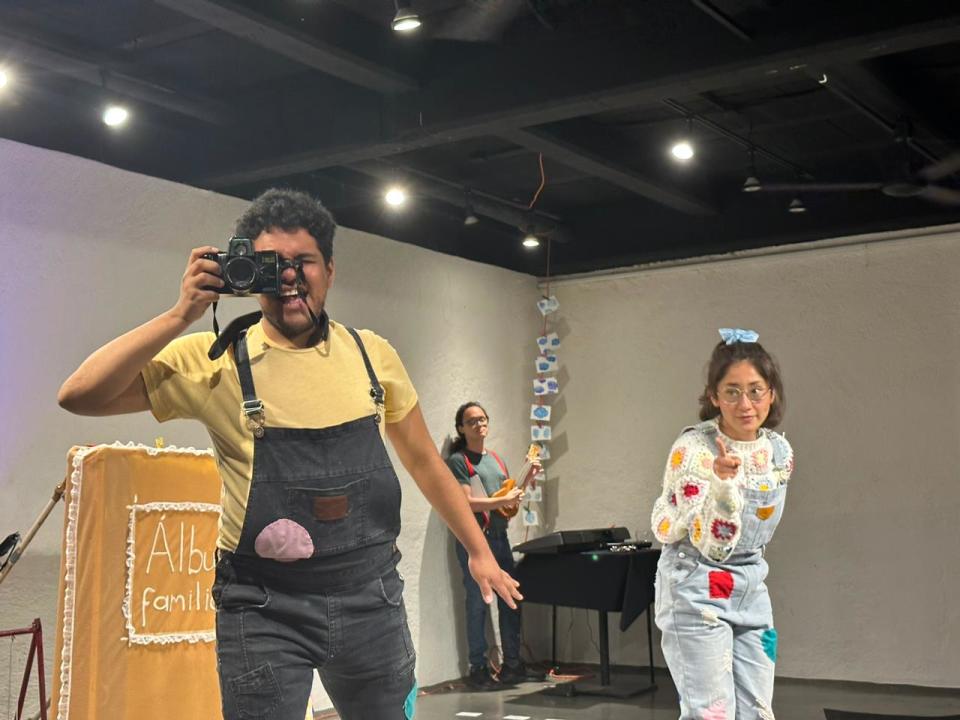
(602, 580)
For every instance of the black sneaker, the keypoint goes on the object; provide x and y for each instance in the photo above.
(519, 673)
(481, 680)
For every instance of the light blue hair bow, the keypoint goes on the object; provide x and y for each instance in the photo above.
(733, 335)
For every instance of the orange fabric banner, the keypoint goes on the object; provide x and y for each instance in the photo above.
(136, 622)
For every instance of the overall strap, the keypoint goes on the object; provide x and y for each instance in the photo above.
(781, 450)
(252, 405)
(709, 432)
(376, 389)
(471, 470)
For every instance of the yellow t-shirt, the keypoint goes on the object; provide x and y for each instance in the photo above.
(315, 387)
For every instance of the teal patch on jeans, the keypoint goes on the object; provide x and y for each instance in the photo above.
(410, 705)
(769, 640)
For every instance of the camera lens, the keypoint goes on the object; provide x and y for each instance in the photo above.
(240, 273)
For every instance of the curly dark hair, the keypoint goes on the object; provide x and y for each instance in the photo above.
(460, 442)
(289, 210)
(763, 362)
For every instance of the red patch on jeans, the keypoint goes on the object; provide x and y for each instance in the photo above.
(721, 584)
(691, 490)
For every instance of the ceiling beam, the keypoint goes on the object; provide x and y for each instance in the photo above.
(559, 87)
(97, 69)
(304, 49)
(581, 159)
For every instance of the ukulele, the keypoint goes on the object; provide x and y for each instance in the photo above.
(533, 454)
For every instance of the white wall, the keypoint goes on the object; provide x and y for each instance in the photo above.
(91, 251)
(863, 568)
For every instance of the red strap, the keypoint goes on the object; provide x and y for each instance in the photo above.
(471, 471)
(500, 463)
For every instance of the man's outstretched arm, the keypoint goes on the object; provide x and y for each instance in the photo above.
(419, 456)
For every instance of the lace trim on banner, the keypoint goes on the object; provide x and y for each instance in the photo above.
(70, 560)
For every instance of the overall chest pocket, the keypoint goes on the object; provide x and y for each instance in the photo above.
(351, 513)
(762, 510)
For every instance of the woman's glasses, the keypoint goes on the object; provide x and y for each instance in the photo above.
(732, 395)
(474, 422)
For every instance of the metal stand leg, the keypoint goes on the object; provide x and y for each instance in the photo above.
(553, 635)
(650, 643)
(604, 650)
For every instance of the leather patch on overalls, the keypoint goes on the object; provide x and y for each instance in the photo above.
(764, 513)
(331, 508)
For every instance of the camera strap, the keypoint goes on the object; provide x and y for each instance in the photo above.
(230, 333)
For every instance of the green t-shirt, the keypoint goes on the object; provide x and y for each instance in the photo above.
(491, 476)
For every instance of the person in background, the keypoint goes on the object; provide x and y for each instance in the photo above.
(481, 473)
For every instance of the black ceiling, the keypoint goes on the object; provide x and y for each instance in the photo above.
(322, 95)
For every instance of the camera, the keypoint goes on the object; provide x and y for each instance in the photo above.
(246, 271)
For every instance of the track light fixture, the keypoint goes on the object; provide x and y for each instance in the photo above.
(469, 217)
(752, 183)
(530, 240)
(682, 149)
(405, 20)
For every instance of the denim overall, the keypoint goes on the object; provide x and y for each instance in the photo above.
(716, 620)
(313, 582)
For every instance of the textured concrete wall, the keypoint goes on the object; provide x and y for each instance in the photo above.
(862, 575)
(92, 251)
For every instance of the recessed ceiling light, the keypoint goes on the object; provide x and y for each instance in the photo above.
(395, 196)
(115, 115)
(682, 150)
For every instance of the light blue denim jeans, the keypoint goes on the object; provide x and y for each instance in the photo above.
(719, 640)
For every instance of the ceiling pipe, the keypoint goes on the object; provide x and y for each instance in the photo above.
(734, 137)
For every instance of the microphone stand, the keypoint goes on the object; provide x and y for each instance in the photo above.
(18, 549)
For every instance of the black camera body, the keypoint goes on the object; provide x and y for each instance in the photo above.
(246, 271)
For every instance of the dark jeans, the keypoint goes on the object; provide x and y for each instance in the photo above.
(477, 608)
(269, 642)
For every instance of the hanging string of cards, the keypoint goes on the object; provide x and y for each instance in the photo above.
(545, 384)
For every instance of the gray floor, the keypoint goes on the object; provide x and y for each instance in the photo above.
(794, 700)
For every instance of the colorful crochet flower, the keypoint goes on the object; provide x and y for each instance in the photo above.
(723, 530)
(676, 458)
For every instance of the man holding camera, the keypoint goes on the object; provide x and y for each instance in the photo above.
(296, 405)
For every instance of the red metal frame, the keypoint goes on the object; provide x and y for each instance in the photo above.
(36, 650)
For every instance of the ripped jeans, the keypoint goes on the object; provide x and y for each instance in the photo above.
(269, 641)
(718, 636)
